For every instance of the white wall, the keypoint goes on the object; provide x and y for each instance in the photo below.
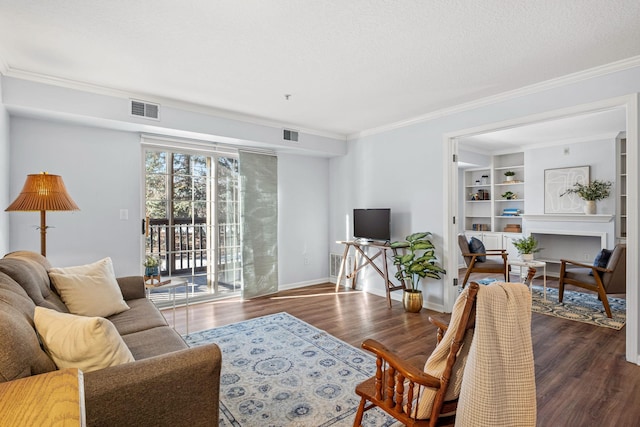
(4, 175)
(599, 155)
(404, 168)
(101, 169)
(303, 221)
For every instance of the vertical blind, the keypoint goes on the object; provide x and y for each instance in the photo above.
(259, 217)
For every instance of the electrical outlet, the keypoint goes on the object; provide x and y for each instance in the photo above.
(306, 261)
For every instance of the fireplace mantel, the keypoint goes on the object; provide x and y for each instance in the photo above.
(568, 217)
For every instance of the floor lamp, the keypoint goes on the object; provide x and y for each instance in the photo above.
(43, 192)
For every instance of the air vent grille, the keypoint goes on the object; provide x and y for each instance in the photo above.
(145, 109)
(290, 135)
(335, 260)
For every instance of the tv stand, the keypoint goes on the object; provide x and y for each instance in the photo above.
(362, 259)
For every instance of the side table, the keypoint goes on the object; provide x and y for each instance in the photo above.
(534, 264)
(54, 398)
(171, 285)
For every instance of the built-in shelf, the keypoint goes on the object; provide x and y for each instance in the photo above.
(569, 217)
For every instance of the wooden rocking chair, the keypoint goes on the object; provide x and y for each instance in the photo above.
(402, 388)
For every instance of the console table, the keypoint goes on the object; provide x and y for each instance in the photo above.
(362, 259)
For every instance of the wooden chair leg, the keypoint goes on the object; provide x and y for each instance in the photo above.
(357, 422)
(602, 295)
(561, 283)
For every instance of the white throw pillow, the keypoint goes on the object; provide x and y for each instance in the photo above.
(86, 343)
(89, 290)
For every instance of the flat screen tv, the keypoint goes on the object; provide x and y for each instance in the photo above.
(372, 224)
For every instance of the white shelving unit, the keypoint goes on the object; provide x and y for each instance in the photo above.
(621, 187)
(484, 205)
(484, 219)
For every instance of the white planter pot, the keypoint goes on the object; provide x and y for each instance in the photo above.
(590, 207)
(526, 257)
(509, 178)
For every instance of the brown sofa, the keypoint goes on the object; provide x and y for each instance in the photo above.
(168, 384)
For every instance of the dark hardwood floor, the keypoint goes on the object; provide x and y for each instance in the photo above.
(582, 378)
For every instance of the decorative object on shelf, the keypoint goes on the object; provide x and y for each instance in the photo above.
(418, 262)
(509, 195)
(513, 228)
(481, 227)
(477, 182)
(43, 192)
(510, 175)
(511, 212)
(474, 196)
(527, 246)
(591, 193)
(484, 179)
(557, 182)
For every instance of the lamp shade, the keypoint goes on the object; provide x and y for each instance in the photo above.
(43, 192)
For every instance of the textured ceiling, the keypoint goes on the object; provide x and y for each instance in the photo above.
(349, 65)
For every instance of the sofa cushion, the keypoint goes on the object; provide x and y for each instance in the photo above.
(33, 278)
(154, 342)
(89, 290)
(20, 351)
(87, 343)
(141, 315)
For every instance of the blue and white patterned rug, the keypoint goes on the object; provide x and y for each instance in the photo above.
(280, 371)
(580, 306)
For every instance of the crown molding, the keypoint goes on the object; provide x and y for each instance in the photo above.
(506, 96)
(166, 102)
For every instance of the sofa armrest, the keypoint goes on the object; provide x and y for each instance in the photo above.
(177, 389)
(132, 287)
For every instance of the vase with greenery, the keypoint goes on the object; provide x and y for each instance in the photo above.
(151, 266)
(591, 193)
(416, 261)
(527, 246)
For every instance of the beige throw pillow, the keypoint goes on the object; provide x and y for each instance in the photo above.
(86, 343)
(89, 290)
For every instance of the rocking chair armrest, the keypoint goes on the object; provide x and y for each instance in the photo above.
(439, 324)
(403, 367)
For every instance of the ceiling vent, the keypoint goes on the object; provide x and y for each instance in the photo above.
(290, 135)
(145, 109)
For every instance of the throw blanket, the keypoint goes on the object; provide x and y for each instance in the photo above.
(498, 385)
(437, 361)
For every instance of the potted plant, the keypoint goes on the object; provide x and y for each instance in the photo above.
(417, 261)
(510, 175)
(527, 246)
(509, 195)
(151, 266)
(591, 193)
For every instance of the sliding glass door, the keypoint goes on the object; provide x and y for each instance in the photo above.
(193, 219)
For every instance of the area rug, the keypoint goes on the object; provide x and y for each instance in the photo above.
(280, 371)
(579, 306)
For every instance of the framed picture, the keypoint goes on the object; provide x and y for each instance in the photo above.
(556, 182)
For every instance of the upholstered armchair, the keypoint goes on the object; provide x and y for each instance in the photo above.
(608, 277)
(481, 260)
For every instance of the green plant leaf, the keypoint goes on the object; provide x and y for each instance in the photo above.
(417, 236)
(422, 245)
